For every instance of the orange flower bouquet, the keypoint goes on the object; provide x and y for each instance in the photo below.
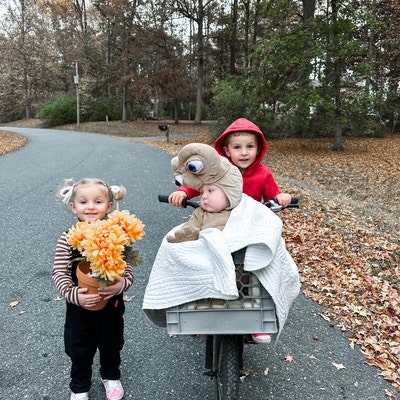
(105, 244)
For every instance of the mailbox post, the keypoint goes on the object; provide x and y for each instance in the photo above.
(164, 128)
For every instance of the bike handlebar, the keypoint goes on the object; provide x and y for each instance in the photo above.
(275, 206)
(162, 198)
(271, 204)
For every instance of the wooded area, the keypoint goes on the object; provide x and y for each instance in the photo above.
(296, 68)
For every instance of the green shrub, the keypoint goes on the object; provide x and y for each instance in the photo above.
(58, 110)
(102, 108)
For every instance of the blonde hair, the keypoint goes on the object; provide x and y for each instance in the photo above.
(66, 191)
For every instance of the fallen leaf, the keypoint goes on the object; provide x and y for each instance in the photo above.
(325, 317)
(389, 394)
(339, 366)
(266, 371)
(244, 375)
(288, 358)
(14, 303)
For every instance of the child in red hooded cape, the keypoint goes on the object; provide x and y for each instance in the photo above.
(245, 146)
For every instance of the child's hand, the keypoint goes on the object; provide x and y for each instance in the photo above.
(87, 300)
(176, 198)
(284, 199)
(112, 290)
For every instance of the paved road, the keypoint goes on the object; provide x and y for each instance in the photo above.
(155, 367)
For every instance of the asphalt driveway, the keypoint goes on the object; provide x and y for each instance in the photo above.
(155, 366)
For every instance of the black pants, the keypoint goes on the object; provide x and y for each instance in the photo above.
(86, 331)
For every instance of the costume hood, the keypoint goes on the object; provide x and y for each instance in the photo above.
(242, 125)
(198, 164)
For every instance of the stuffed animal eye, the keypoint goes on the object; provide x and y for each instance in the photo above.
(178, 180)
(195, 166)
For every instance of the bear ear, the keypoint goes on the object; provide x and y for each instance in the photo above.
(175, 163)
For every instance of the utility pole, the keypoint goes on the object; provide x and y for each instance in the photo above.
(76, 81)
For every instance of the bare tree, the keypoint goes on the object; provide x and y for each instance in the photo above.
(28, 50)
(197, 14)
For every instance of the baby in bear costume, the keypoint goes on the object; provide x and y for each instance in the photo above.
(200, 167)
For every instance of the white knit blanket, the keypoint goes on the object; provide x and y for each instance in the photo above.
(189, 271)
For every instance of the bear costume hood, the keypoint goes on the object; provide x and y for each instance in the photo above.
(198, 164)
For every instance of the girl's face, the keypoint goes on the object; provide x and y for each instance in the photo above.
(90, 202)
(242, 150)
(213, 199)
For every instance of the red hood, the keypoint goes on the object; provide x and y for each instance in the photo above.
(242, 125)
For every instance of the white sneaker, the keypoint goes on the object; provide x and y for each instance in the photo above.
(114, 389)
(261, 338)
(79, 396)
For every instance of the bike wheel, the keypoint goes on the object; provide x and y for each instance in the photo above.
(227, 353)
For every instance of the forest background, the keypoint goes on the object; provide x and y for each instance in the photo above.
(302, 70)
(296, 68)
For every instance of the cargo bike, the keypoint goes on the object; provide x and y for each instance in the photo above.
(227, 323)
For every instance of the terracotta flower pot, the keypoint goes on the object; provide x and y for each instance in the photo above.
(92, 284)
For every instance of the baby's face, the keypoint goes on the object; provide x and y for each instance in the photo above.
(213, 199)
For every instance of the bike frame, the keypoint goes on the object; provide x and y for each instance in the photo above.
(224, 346)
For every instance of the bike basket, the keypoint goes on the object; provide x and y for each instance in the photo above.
(252, 312)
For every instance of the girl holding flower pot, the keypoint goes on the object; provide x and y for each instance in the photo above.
(102, 240)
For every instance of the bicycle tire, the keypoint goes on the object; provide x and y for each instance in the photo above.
(227, 353)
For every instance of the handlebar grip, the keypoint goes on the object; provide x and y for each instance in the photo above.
(163, 198)
(274, 205)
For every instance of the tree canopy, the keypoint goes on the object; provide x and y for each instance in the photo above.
(296, 68)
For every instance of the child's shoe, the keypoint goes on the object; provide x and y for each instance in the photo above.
(261, 338)
(79, 396)
(114, 389)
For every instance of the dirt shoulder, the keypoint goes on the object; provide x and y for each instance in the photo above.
(10, 141)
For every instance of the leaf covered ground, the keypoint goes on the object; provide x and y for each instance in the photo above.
(344, 238)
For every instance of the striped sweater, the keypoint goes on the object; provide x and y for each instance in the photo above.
(62, 272)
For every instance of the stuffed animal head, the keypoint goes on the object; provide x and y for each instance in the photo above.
(198, 164)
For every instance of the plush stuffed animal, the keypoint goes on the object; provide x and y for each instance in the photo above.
(198, 164)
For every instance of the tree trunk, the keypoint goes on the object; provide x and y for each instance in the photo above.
(337, 76)
(176, 119)
(234, 13)
(306, 50)
(308, 9)
(124, 117)
(200, 63)
(338, 142)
